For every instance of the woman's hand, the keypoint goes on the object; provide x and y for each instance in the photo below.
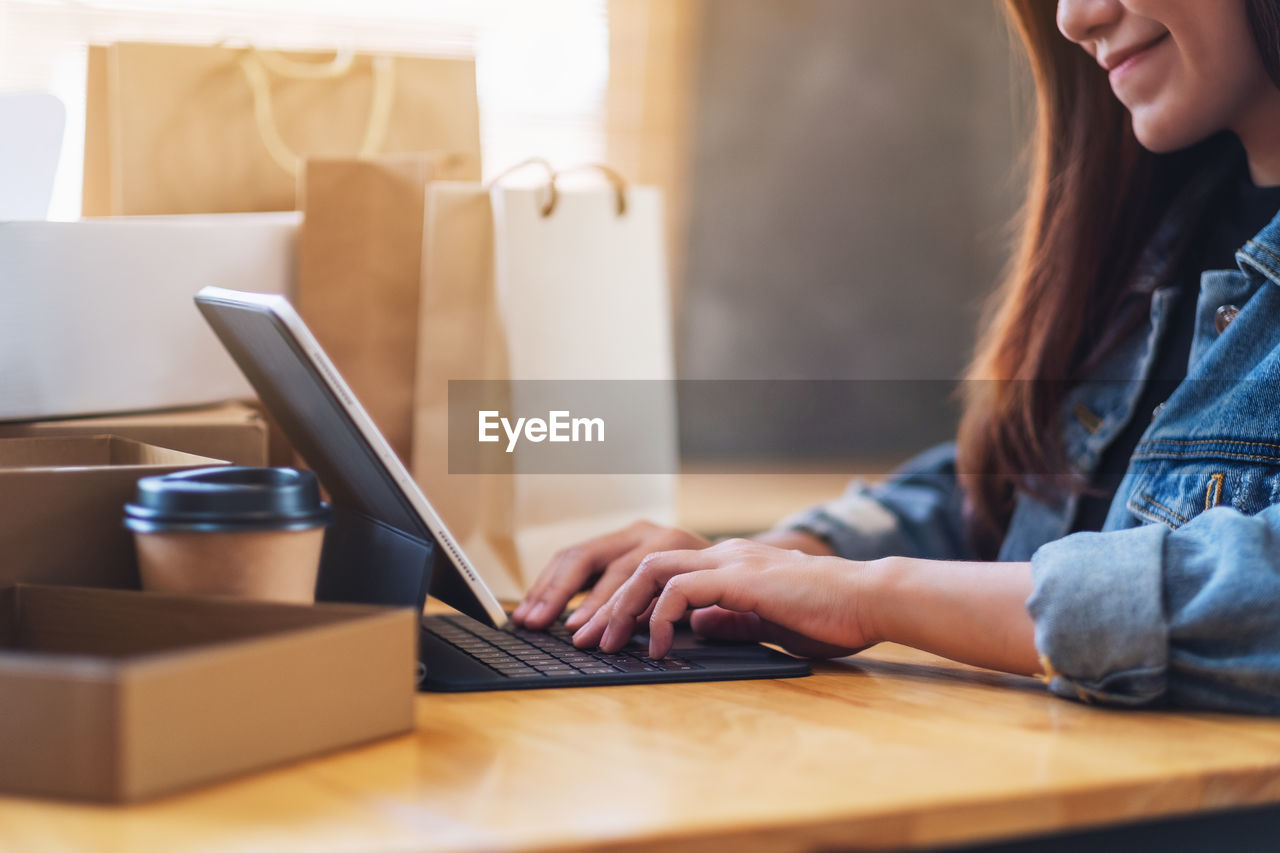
(811, 605)
(804, 600)
(613, 558)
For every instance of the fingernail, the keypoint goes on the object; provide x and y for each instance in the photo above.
(576, 620)
(538, 611)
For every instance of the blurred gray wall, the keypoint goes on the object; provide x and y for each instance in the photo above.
(854, 172)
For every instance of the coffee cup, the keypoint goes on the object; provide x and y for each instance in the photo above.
(253, 533)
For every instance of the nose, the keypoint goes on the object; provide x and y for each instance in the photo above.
(1084, 20)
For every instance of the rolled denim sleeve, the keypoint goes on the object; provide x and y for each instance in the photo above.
(1149, 615)
(916, 512)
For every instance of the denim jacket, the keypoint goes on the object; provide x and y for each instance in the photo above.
(1177, 599)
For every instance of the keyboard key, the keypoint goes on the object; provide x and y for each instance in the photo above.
(516, 670)
(616, 660)
(630, 665)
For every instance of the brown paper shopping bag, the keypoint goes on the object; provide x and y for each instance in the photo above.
(573, 298)
(194, 129)
(359, 275)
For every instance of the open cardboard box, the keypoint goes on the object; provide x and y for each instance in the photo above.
(117, 695)
(62, 507)
(231, 431)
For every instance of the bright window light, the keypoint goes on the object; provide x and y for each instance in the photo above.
(542, 67)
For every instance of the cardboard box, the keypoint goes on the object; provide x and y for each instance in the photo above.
(233, 432)
(118, 696)
(98, 315)
(62, 507)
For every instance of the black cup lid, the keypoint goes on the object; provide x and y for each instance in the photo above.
(228, 498)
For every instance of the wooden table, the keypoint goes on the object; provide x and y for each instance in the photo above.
(892, 749)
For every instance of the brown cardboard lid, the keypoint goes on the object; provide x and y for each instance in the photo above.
(231, 413)
(87, 451)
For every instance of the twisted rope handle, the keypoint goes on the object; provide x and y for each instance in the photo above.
(299, 69)
(619, 186)
(256, 64)
(523, 164)
(553, 192)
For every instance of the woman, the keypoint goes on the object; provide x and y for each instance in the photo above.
(1123, 556)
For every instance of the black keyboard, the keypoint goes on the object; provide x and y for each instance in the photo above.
(518, 653)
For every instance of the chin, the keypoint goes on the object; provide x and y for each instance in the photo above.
(1161, 133)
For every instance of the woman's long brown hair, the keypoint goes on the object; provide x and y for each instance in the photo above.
(1094, 199)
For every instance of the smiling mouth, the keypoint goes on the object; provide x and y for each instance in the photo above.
(1124, 60)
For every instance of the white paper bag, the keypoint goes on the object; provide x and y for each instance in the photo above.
(512, 294)
(97, 316)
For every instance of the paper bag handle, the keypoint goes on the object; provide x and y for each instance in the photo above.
(532, 161)
(553, 193)
(299, 69)
(255, 64)
(619, 186)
